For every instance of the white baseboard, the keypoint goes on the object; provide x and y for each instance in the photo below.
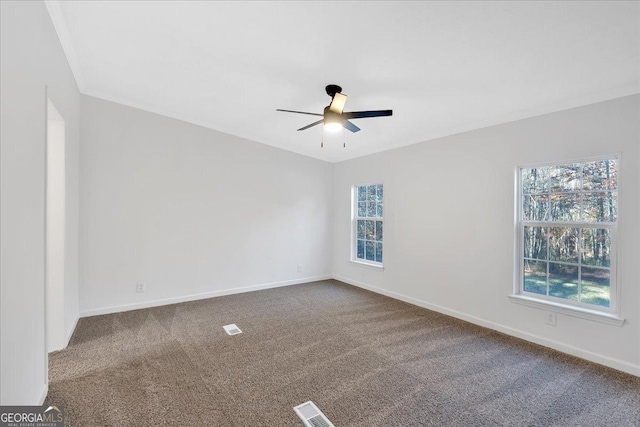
(194, 297)
(574, 351)
(42, 394)
(71, 331)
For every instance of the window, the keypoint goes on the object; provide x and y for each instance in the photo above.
(567, 223)
(367, 224)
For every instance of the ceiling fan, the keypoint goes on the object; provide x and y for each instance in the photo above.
(333, 118)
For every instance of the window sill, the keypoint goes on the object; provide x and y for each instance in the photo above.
(583, 313)
(368, 264)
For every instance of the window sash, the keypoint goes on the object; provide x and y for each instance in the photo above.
(613, 300)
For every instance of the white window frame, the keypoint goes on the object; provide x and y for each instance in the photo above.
(611, 314)
(354, 228)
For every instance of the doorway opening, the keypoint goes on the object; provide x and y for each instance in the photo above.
(55, 229)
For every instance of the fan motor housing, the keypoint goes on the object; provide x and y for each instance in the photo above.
(332, 90)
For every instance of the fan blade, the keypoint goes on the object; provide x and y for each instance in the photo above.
(365, 114)
(300, 112)
(337, 104)
(312, 124)
(350, 126)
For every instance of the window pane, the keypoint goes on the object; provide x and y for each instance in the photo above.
(379, 252)
(371, 209)
(362, 209)
(379, 230)
(564, 244)
(596, 286)
(600, 175)
(596, 247)
(534, 208)
(370, 251)
(600, 207)
(360, 229)
(535, 277)
(379, 194)
(565, 178)
(371, 193)
(379, 210)
(370, 230)
(564, 207)
(535, 243)
(361, 249)
(362, 194)
(563, 281)
(535, 180)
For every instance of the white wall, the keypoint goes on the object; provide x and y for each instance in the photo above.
(440, 255)
(31, 59)
(191, 211)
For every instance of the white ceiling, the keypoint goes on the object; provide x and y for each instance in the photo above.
(443, 67)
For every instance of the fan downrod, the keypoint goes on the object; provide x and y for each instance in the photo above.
(333, 89)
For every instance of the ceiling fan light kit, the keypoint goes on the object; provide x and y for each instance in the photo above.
(334, 118)
(332, 121)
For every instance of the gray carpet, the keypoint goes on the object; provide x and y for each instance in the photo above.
(364, 359)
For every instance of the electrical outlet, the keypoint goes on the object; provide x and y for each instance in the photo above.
(550, 319)
(140, 287)
(299, 269)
